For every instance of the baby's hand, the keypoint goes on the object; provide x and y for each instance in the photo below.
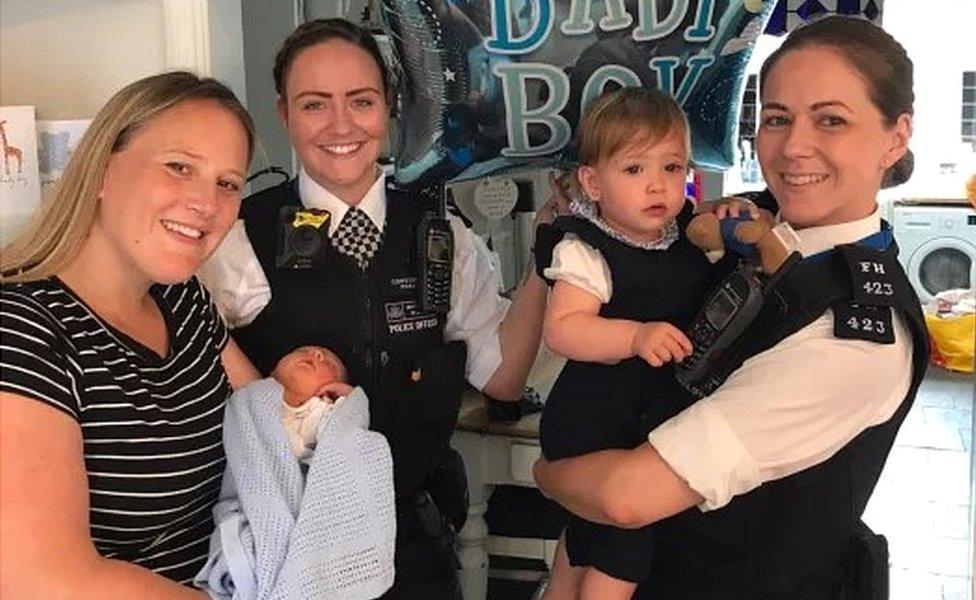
(730, 206)
(658, 342)
(736, 206)
(336, 390)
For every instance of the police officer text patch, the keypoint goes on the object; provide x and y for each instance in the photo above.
(871, 276)
(407, 317)
(859, 322)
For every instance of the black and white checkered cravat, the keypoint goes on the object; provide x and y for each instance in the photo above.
(357, 237)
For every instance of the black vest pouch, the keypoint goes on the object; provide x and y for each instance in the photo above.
(867, 576)
(448, 486)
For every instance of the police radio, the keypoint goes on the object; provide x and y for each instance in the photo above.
(435, 257)
(726, 313)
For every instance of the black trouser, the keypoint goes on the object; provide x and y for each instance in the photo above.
(426, 561)
(859, 573)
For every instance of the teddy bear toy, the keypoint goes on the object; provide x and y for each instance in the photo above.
(745, 237)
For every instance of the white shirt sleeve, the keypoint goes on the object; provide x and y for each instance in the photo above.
(786, 409)
(477, 309)
(576, 262)
(234, 277)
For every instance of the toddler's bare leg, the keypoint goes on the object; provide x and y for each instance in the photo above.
(597, 585)
(565, 579)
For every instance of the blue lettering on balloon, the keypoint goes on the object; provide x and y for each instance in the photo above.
(702, 31)
(501, 39)
(518, 116)
(579, 21)
(664, 67)
(696, 64)
(650, 28)
(601, 77)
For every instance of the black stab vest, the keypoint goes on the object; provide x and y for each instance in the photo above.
(791, 538)
(373, 321)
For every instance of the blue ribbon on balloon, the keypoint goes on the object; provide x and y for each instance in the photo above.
(790, 14)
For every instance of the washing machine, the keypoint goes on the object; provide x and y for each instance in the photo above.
(937, 246)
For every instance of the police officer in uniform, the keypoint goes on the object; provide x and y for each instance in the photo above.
(348, 275)
(767, 477)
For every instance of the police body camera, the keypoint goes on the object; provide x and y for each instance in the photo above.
(303, 237)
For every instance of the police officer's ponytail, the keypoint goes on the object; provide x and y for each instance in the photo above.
(877, 57)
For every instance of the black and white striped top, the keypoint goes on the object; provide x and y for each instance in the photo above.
(151, 426)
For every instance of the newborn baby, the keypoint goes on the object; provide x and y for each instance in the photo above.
(293, 514)
(314, 380)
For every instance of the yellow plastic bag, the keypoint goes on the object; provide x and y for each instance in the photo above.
(953, 341)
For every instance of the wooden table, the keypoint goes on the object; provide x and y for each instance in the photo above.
(494, 454)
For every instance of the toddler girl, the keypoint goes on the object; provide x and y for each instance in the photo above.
(626, 282)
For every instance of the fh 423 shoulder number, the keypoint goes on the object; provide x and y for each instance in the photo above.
(867, 324)
(878, 288)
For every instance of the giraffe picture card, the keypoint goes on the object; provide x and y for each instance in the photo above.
(56, 142)
(20, 182)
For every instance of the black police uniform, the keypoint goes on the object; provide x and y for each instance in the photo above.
(595, 406)
(393, 349)
(800, 537)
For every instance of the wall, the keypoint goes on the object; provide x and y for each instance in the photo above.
(67, 58)
(939, 39)
(941, 46)
(265, 26)
(227, 44)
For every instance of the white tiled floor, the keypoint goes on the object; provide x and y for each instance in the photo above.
(922, 502)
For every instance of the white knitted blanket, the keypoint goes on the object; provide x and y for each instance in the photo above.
(280, 534)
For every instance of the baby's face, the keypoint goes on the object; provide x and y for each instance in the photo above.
(304, 371)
